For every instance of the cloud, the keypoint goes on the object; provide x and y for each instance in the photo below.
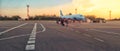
(110, 4)
(83, 3)
(90, 7)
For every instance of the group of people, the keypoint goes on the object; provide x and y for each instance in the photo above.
(62, 21)
(65, 21)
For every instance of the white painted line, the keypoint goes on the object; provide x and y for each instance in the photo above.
(105, 31)
(12, 28)
(13, 37)
(44, 29)
(30, 47)
(113, 33)
(99, 39)
(87, 35)
(31, 38)
(31, 43)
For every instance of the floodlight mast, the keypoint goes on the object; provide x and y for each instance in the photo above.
(110, 14)
(28, 11)
(76, 11)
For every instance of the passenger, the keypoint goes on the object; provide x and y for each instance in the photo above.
(74, 19)
(66, 21)
(58, 21)
(69, 20)
(62, 22)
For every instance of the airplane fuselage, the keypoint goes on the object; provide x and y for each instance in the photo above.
(74, 17)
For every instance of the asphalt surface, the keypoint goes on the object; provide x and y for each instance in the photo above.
(49, 36)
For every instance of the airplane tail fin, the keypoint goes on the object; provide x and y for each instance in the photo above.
(61, 14)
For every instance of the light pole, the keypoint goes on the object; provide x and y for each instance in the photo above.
(76, 11)
(28, 11)
(110, 14)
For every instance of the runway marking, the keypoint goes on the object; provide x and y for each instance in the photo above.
(31, 38)
(30, 47)
(99, 39)
(105, 31)
(13, 37)
(12, 28)
(87, 35)
(44, 29)
(31, 43)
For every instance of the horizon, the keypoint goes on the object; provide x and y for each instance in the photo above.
(99, 8)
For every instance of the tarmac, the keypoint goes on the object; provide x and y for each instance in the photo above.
(49, 36)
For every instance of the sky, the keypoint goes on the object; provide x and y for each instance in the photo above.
(99, 8)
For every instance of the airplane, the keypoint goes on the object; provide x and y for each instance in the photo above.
(70, 18)
(75, 17)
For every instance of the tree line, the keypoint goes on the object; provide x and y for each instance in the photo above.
(10, 18)
(38, 17)
(42, 17)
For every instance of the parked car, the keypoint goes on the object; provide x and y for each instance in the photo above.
(99, 20)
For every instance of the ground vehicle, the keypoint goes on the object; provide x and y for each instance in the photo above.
(99, 20)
